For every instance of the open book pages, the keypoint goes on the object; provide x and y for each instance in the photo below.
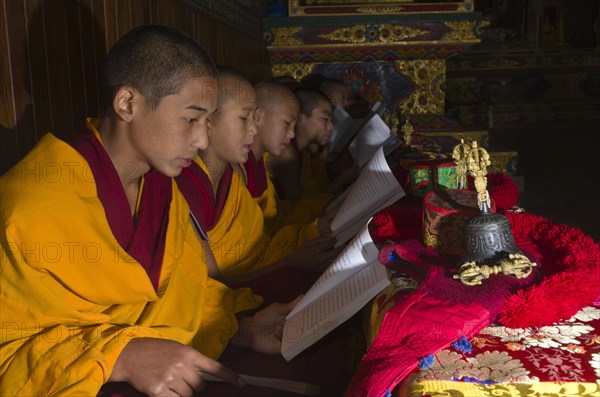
(357, 255)
(373, 134)
(378, 108)
(331, 309)
(375, 188)
(344, 129)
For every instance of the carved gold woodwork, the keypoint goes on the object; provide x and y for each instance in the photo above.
(385, 33)
(428, 76)
(295, 70)
(284, 37)
(461, 31)
(503, 162)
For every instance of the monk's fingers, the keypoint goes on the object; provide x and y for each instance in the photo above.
(278, 332)
(322, 243)
(163, 393)
(328, 256)
(182, 388)
(192, 381)
(281, 310)
(293, 304)
(212, 367)
(332, 213)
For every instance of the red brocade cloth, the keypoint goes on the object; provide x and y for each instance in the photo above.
(568, 351)
(441, 310)
(436, 315)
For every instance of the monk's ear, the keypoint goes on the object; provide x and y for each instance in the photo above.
(258, 115)
(123, 102)
(301, 119)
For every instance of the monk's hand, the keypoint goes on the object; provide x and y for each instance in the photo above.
(317, 253)
(345, 179)
(262, 332)
(324, 221)
(162, 367)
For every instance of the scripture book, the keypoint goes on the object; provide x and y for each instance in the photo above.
(348, 284)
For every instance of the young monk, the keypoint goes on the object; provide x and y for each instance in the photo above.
(337, 92)
(298, 175)
(103, 276)
(342, 171)
(276, 116)
(235, 224)
(339, 95)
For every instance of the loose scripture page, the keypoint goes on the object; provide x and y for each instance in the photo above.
(344, 129)
(375, 188)
(374, 134)
(331, 309)
(356, 256)
(341, 120)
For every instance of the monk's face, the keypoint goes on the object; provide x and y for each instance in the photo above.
(340, 96)
(168, 138)
(276, 124)
(231, 129)
(318, 126)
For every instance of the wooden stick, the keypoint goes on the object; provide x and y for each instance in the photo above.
(302, 388)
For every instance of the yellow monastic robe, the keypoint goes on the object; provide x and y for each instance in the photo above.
(280, 213)
(276, 212)
(72, 298)
(239, 240)
(313, 174)
(268, 200)
(314, 179)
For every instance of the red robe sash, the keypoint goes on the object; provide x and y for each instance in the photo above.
(256, 175)
(144, 236)
(194, 183)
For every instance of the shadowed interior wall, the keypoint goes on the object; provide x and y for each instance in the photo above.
(51, 53)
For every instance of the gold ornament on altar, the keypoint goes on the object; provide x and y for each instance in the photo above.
(490, 247)
(391, 120)
(407, 130)
(517, 265)
(460, 155)
(477, 161)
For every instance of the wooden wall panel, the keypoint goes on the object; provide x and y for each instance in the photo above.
(21, 129)
(52, 50)
(7, 99)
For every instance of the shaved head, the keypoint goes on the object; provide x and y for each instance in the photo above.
(269, 94)
(232, 84)
(156, 60)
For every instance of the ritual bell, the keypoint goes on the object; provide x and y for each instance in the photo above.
(488, 239)
(490, 247)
